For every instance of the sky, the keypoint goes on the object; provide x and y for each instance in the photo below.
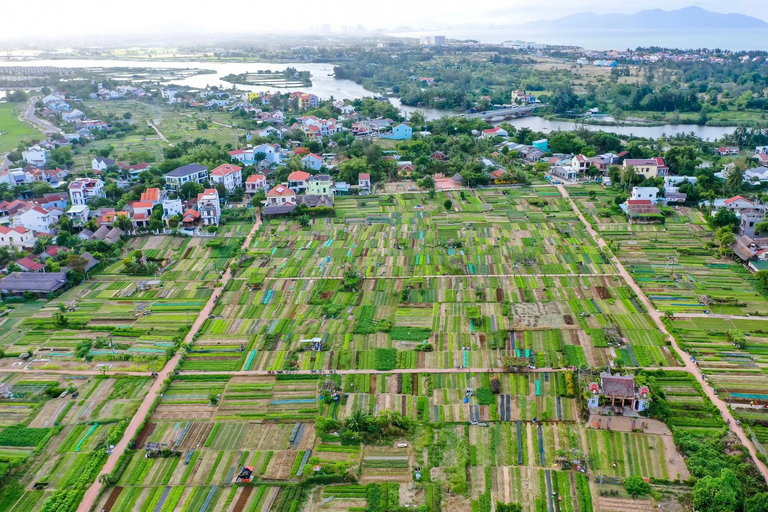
(52, 18)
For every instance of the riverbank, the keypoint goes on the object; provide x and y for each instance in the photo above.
(637, 118)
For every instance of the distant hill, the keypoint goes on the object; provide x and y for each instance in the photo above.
(688, 18)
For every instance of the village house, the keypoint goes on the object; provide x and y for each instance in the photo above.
(401, 131)
(209, 206)
(737, 204)
(101, 163)
(171, 208)
(83, 190)
(494, 132)
(41, 284)
(648, 193)
(647, 167)
(35, 155)
(364, 183)
(725, 151)
(312, 161)
(153, 195)
(231, 176)
(580, 164)
(35, 218)
(565, 173)
(320, 184)
(16, 237)
(141, 213)
(273, 153)
(620, 393)
(29, 265)
(297, 181)
(78, 214)
(254, 183)
(191, 172)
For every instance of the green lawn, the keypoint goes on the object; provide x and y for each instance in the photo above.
(13, 131)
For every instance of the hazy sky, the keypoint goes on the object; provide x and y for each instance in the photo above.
(49, 18)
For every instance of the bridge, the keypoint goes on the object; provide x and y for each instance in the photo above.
(502, 113)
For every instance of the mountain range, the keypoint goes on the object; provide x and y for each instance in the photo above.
(689, 18)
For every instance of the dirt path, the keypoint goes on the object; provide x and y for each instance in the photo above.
(690, 366)
(92, 495)
(159, 133)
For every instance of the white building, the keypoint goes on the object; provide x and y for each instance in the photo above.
(181, 175)
(83, 190)
(231, 176)
(644, 193)
(36, 218)
(273, 153)
(16, 237)
(101, 163)
(171, 208)
(36, 156)
(209, 206)
(78, 214)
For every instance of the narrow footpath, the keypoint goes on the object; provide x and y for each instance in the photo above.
(690, 366)
(92, 495)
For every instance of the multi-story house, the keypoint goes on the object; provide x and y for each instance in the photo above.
(297, 181)
(83, 190)
(181, 175)
(231, 176)
(209, 206)
(320, 185)
(254, 183)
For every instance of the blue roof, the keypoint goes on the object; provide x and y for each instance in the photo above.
(186, 170)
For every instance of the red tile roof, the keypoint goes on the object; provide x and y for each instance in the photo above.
(298, 176)
(151, 194)
(225, 170)
(737, 198)
(281, 191)
(30, 264)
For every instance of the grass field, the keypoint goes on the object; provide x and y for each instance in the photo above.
(13, 131)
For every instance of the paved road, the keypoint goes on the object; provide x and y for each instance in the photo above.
(30, 117)
(5, 164)
(722, 317)
(656, 316)
(92, 495)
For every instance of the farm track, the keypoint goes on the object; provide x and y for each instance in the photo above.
(92, 495)
(690, 366)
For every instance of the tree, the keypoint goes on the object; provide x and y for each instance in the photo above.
(636, 486)
(508, 507)
(724, 218)
(78, 263)
(17, 96)
(417, 119)
(448, 204)
(304, 220)
(725, 238)
(757, 503)
(734, 181)
(721, 494)
(60, 321)
(513, 362)
(123, 222)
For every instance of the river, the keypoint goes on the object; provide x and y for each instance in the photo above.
(326, 86)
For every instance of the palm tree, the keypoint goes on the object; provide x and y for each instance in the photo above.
(357, 422)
